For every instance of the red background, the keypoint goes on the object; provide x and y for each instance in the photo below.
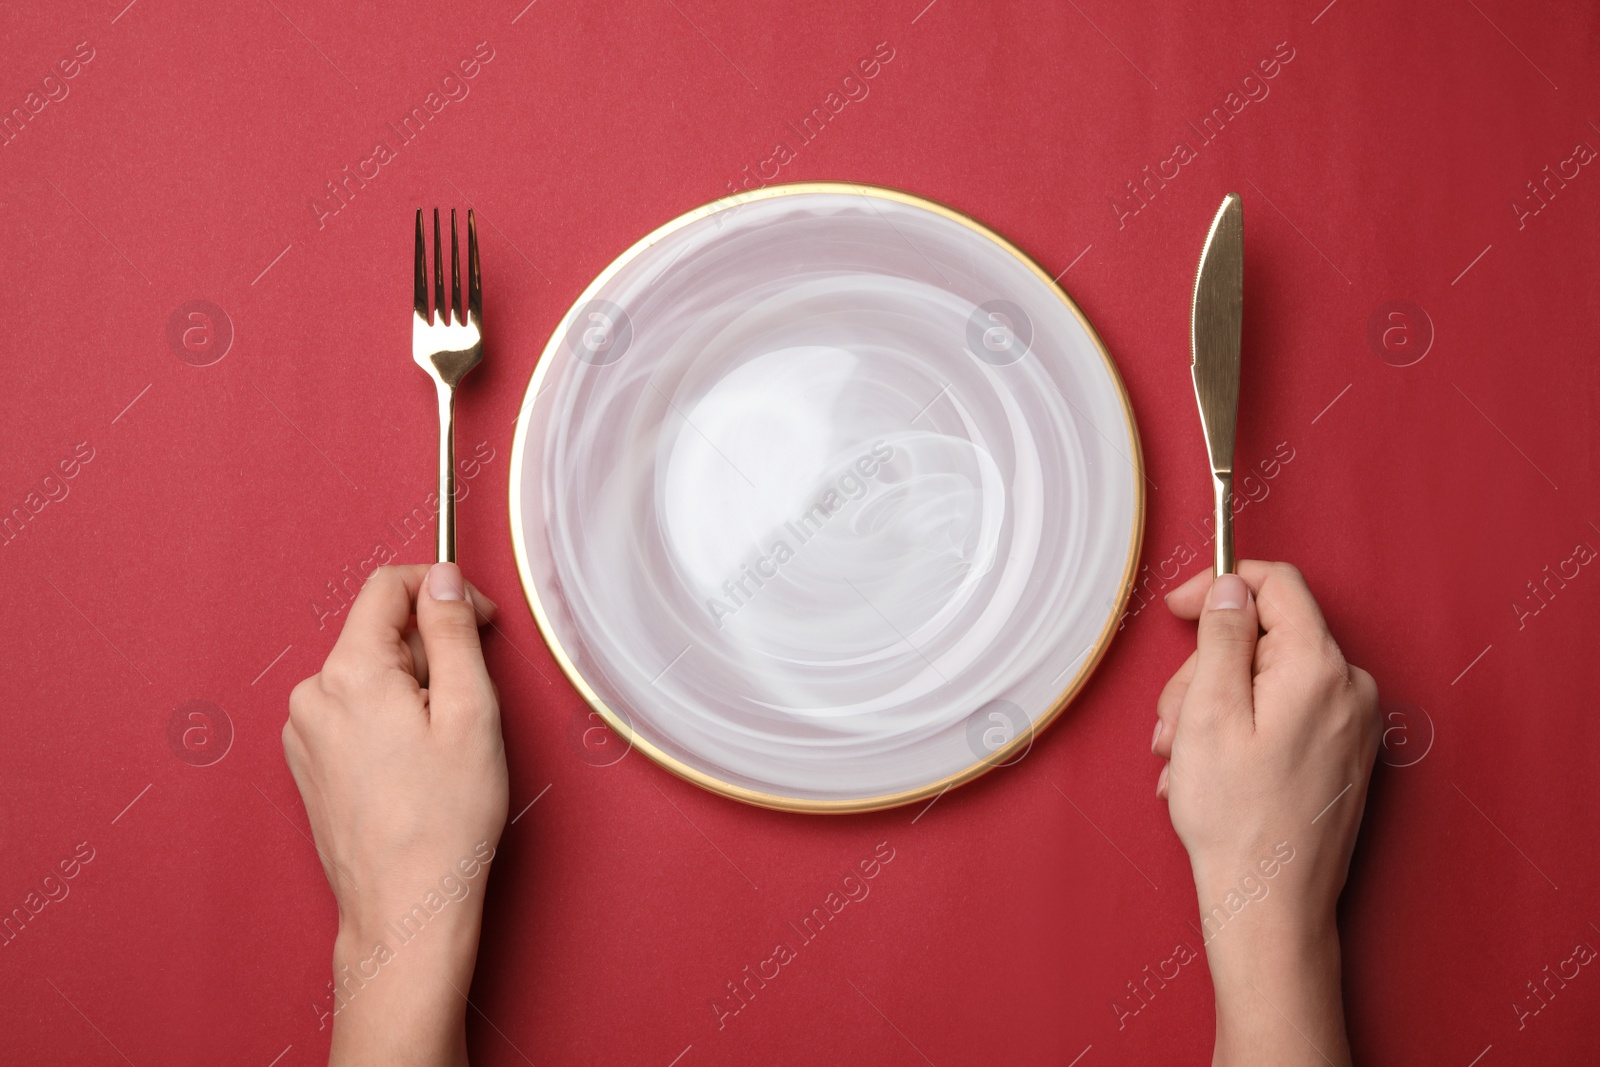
(189, 552)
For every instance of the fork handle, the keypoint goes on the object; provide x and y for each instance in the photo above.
(447, 473)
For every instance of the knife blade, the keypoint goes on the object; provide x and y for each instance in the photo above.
(1214, 325)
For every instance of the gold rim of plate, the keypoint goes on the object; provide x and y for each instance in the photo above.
(693, 774)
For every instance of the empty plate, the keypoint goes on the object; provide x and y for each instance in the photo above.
(826, 498)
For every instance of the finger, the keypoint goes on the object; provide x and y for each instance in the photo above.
(458, 680)
(1282, 597)
(485, 608)
(1185, 601)
(1163, 780)
(1168, 705)
(381, 616)
(378, 619)
(1222, 687)
(419, 657)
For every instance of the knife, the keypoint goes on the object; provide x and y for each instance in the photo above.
(1214, 322)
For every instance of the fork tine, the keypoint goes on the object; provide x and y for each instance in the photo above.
(419, 301)
(439, 312)
(455, 273)
(474, 281)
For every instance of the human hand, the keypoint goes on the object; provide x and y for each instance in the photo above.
(397, 751)
(1269, 736)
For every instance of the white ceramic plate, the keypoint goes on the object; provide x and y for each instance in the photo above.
(826, 497)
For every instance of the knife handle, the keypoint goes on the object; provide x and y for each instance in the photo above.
(1222, 490)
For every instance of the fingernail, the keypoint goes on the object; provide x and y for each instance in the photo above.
(1161, 782)
(1228, 592)
(444, 582)
(1156, 737)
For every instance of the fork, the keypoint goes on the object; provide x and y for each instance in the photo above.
(447, 345)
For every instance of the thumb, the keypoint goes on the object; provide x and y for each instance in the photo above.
(458, 681)
(1226, 652)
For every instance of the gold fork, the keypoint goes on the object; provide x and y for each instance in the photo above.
(447, 345)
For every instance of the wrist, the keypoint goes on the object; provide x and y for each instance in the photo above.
(383, 934)
(1285, 951)
(1278, 992)
(1271, 908)
(400, 984)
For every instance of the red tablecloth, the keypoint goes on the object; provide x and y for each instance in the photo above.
(1444, 510)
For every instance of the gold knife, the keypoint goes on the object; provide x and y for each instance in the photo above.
(1214, 323)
